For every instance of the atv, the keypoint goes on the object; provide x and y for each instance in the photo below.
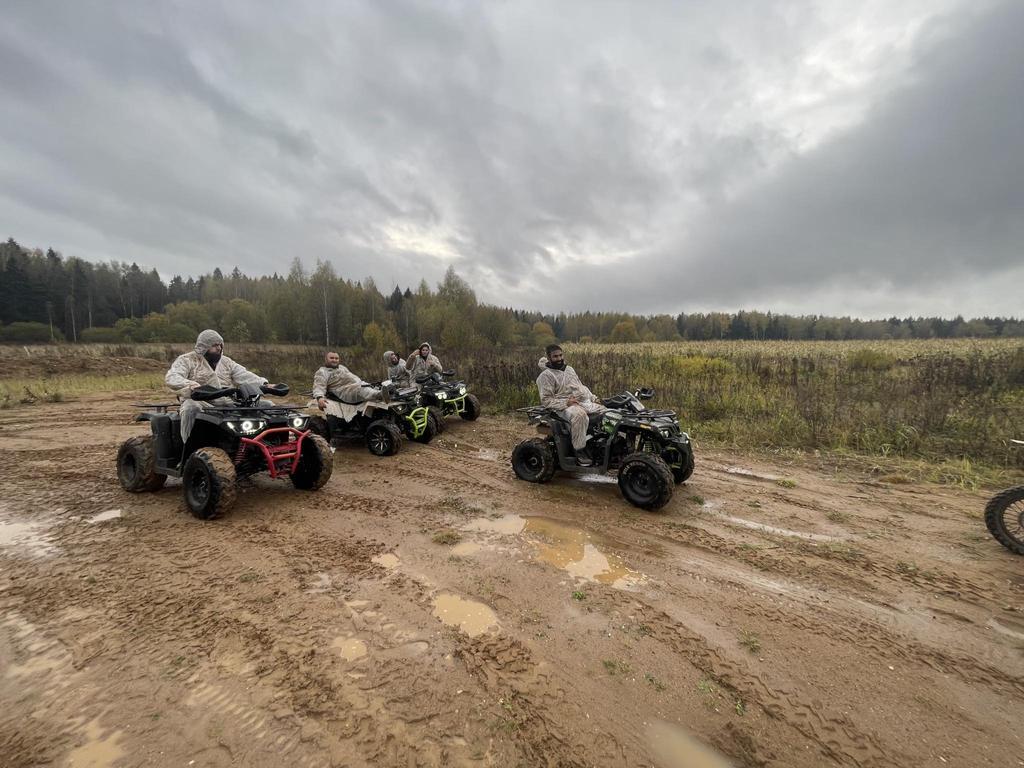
(227, 442)
(448, 396)
(647, 447)
(401, 414)
(1004, 516)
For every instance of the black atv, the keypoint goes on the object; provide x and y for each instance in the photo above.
(1004, 516)
(647, 447)
(383, 430)
(447, 396)
(226, 443)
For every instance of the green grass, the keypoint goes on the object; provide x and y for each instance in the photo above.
(447, 536)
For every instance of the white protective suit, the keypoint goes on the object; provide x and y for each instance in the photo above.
(556, 387)
(191, 371)
(418, 366)
(397, 373)
(355, 395)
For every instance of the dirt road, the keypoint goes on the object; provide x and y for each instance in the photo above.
(430, 609)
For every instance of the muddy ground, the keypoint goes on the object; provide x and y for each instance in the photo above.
(786, 615)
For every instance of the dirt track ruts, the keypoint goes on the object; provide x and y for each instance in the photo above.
(841, 621)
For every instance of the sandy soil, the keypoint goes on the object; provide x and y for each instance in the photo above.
(840, 621)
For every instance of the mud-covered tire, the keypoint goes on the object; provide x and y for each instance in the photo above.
(1004, 518)
(645, 481)
(318, 426)
(431, 430)
(208, 483)
(316, 463)
(472, 410)
(438, 417)
(136, 465)
(682, 474)
(533, 460)
(383, 438)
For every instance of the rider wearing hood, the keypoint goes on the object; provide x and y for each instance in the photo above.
(423, 362)
(397, 371)
(206, 365)
(344, 386)
(561, 390)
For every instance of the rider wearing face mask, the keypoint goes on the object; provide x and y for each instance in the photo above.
(561, 390)
(206, 365)
(398, 373)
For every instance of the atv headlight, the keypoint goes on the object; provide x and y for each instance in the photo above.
(400, 409)
(442, 395)
(462, 390)
(666, 432)
(299, 422)
(247, 427)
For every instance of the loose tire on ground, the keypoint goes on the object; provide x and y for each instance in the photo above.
(383, 438)
(682, 474)
(472, 409)
(136, 465)
(430, 430)
(316, 463)
(645, 481)
(533, 460)
(1004, 518)
(208, 482)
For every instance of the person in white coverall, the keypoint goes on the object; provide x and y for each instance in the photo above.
(205, 365)
(562, 391)
(335, 378)
(423, 362)
(398, 373)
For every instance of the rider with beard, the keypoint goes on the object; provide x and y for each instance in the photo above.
(562, 391)
(206, 365)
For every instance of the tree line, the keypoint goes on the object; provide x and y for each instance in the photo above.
(47, 297)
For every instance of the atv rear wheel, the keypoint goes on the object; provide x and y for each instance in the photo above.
(533, 460)
(383, 438)
(316, 463)
(1004, 518)
(136, 465)
(645, 481)
(471, 411)
(430, 430)
(208, 482)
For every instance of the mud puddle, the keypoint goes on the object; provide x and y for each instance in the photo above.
(388, 560)
(742, 472)
(471, 617)
(110, 514)
(350, 648)
(27, 537)
(765, 528)
(572, 549)
(676, 748)
(99, 751)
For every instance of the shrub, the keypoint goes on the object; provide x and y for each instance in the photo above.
(24, 332)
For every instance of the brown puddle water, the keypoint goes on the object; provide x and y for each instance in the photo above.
(27, 536)
(471, 617)
(97, 752)
(765, 528)
(350, 648)
(674, 747)
(388, 560)
(565, 546)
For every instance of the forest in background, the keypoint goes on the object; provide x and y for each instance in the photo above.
(47, 297)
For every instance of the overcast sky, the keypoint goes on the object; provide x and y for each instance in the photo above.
(809, 156)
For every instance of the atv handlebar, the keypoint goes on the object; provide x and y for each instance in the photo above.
(278, 390)
(206, 392)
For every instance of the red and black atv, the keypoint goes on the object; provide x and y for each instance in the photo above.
(228, 441)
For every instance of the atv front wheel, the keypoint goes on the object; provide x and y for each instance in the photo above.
(645, 481)
(533, 460)
(1004, 517)
(318, 426)
(431, 428)
(136, 465)
(316, 463)
(383, 438)
(438, 417)
(208, 481)
(682, 474)
(471, 411)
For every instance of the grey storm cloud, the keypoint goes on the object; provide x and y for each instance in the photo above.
(650, 157)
